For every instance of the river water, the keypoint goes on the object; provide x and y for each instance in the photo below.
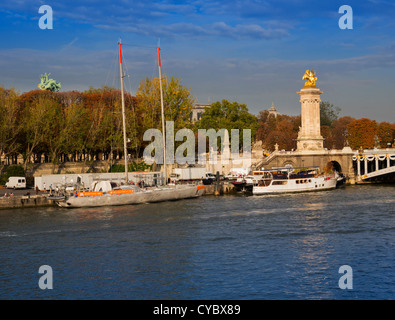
(228, 247)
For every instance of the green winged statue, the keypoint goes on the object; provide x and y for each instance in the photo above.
(48, 84)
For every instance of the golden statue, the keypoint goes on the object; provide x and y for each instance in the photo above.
(311, 79)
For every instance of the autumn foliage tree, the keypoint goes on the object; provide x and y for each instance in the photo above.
(177, 100)
(281, 130)
(362, 133)
(55, 127)
(386, 134)
(41, 125)
(340, 132)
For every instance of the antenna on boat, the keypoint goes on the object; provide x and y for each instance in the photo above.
(163, 115)
(123, 112)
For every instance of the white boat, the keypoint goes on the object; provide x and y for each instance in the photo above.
(286, 180)
(245, 183)
(107, 193)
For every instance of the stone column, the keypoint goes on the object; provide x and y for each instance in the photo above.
(366, 165)
(359, 167)
(309, 137)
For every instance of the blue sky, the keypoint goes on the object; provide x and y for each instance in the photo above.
(254, 52)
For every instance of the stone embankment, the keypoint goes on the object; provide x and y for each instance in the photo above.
(222, 188)
(25, 202)
(40, 200)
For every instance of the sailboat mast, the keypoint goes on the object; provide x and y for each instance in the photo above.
(123, 114)
(163, 117)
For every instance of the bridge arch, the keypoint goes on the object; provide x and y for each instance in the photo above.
(289, 163)
(334, 166)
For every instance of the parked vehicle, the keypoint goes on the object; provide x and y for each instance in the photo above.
(188, 174)
(16, 183)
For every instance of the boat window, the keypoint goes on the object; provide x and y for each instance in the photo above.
(279, 182)
(297, 181)
(113, 185)
(309, 180)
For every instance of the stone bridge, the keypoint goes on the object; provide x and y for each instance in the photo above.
(373, 164)
(357, 166)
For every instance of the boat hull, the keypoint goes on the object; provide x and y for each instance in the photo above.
(242, 186)
(159, 194)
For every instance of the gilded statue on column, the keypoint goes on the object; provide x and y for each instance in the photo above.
(311, 78)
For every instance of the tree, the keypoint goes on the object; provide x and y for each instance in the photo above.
(50, 126)
(35, 124)
(328, 113)
(340, 132)
(326, 133)
(10, 126)
(75, 129)
(104, 123)
(385, 133)
(282, 130)
(393, 134)
(362, 133)
(284, 135)
(228, 115)
(177, 101)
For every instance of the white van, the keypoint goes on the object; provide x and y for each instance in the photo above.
(16, 183)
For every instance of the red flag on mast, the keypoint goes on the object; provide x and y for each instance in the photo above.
(159, 57)
(120, 53)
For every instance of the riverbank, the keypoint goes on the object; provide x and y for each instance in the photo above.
(30, 201)
(25, 202)
(223, 188)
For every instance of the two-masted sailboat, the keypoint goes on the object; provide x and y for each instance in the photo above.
(107, 193)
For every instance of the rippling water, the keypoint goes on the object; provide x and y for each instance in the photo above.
(230, 247)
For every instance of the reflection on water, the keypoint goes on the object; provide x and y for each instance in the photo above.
(230, 247)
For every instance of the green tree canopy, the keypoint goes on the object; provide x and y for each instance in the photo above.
(228, 115)
(177, 100)
(328, 113)
(10, 122)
